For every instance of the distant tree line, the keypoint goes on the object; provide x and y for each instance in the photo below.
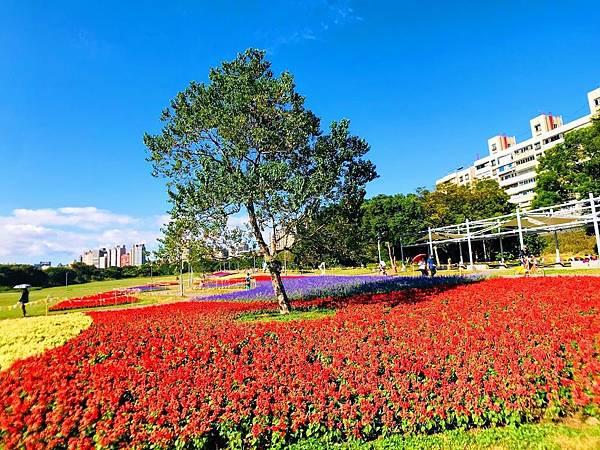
(77, 273)
(348, 234)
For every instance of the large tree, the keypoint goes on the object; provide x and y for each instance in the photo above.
(395, 219)
(246, 141)
(333, 236)
(570, 170)
(182, 240)
(451, 204)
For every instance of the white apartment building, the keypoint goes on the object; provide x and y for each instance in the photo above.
(514, 165)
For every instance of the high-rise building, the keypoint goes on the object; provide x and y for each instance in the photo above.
(95, 258)
(103, 261)
(125, 260)
(138, 254)
(514, 165)
(114, 255)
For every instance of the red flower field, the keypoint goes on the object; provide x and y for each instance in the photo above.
(110, 298)
(188, 375)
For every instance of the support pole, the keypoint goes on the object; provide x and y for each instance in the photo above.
(485, 258)
(402, 252)
(378, 249)
(501, 246)
(181, 276)
(462, 261)
(521, 243)
(557, 260)
(469, 244)
(430, 242)
(595, 219)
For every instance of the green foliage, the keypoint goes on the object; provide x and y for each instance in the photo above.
(333, 235)
(535, 244)
(77, 273)
(570, 170)
(347, 233)
(572, 242)
(394, 218)
(13, 274)
(451, 203)
(529, 436)
(267, 316)
(246, 141)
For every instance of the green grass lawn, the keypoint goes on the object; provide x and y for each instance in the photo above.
(297, 314)
(572, 434)
(10, 298)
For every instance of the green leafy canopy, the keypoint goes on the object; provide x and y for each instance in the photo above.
(570, 170)
(245, 140)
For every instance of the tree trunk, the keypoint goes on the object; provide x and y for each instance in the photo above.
(392, 257)
(282, 299)
(274, 266)
(181, 277)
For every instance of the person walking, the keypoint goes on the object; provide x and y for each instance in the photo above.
(322, 268)
(431, 266)
(24, 300)
(382, 270)
(248, 281)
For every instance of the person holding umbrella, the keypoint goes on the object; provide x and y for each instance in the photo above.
(24, 297)
(421, 260)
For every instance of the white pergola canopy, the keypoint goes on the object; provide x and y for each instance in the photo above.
(541, 220)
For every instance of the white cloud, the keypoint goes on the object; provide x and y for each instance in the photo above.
(323, 15)
(90, 218)
(62, 234)
(239, 221)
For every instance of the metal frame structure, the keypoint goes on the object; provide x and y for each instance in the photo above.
(549, 219)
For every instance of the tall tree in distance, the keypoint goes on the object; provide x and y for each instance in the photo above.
(451, 204)
(333, 235)
(395, 219)
(570, 170)
(246, 141)
(182, 241)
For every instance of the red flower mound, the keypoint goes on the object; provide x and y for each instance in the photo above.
(110, 298)
(495, 352)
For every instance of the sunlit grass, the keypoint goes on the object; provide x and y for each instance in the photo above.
(574, 435)
(275, 315)
(28, 336)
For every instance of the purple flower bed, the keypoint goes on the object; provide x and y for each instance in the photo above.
(337, 285)
(147, 288)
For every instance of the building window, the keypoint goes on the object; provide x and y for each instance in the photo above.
(597, 101)
(538, 145)
(494, 147)
(538, 128)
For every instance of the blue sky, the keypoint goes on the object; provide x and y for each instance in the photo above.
(426, 83)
